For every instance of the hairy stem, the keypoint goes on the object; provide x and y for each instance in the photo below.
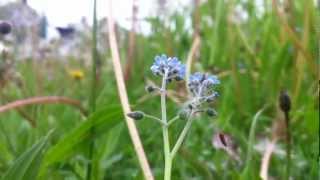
(173, 120)
(166, 143)
(156, 119)
(181, 137)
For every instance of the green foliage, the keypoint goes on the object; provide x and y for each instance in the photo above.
(26, 166)
(255, 59)
(102, 120)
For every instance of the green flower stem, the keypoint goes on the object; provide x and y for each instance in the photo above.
(166, 143)
(157, 119)
(181, 137)
(173, 120)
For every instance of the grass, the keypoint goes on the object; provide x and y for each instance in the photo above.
(92, 100)
(255, 60)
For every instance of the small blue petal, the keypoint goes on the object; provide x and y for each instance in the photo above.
(171, 65)
(214, 79)
(202, 84)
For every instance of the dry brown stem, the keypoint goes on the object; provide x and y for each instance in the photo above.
(124, 97)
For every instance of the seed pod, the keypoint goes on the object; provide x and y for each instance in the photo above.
(5, 27)
(284, 101)
(184, 114)
(190, 106)
(211, 112)
(136, 115)
(150, 89)
(178, 78)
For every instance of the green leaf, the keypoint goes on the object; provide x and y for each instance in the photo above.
(106, 146)
(246, 172)
(27, 165)
(102, 120)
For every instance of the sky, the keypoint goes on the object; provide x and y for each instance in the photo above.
(64, 12)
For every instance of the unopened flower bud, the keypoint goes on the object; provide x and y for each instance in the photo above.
(184, 114)
(211, 112)
(284, 101)
(5, 27)
(175, 71)
(178, 78)
(150, 89)
(136, 115)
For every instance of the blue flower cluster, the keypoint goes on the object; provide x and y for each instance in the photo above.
(201, 85)
(170, 67)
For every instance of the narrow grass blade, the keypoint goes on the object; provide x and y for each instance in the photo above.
(102, 120)
(27, 165)
(245, 173)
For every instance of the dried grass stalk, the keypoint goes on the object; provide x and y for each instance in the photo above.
(124, 98)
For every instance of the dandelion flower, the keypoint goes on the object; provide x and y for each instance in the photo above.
(76, 74)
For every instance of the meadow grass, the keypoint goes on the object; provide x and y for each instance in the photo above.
(254, 59)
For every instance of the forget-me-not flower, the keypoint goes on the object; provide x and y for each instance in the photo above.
(201, 85)
(169, 66)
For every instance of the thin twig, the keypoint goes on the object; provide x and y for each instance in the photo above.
(43, 100)
(124, 97)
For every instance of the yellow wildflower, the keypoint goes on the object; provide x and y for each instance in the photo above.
(76, 74)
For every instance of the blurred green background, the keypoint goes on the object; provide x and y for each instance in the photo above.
(255, 50)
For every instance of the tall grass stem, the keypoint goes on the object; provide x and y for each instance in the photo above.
(124, 97)
(93, 88)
